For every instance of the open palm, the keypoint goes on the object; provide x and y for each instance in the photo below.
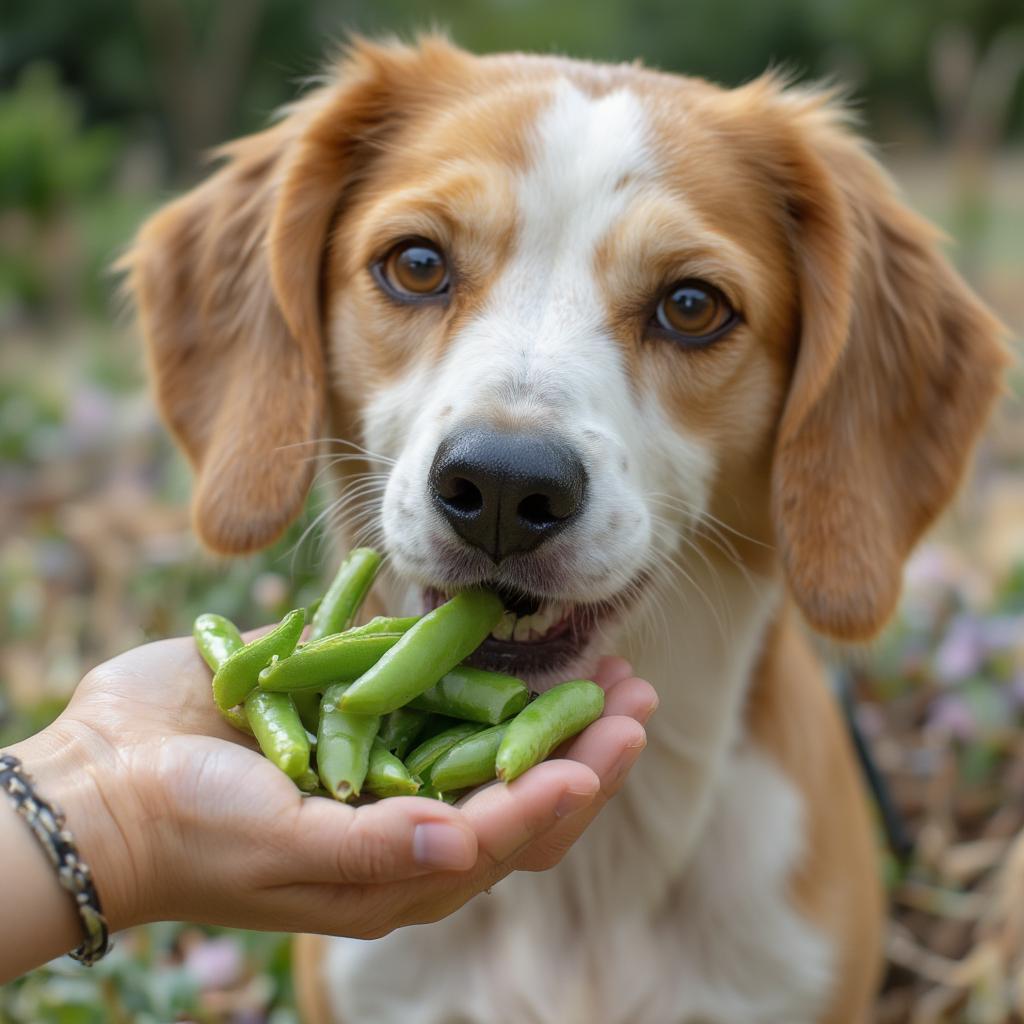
(209, 830)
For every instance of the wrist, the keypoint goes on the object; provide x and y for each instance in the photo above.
(75, 769)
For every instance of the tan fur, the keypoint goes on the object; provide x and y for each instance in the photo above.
(220, 354)
(792, 715)
(863, 369)
(898, 365)
(310, 993)
(227, 281)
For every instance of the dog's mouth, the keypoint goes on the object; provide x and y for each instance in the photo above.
(539, 639)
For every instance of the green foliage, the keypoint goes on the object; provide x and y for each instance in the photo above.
(54, 171)
(29, 412)
(46, 158)
(1011, 590)
(160, 973)
(149, 65)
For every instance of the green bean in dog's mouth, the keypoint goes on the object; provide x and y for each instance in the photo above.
(538, 639)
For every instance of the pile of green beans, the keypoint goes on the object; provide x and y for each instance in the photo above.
(386, 708)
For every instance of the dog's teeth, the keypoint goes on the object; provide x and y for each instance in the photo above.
(529, 627)
(523, 628)
(543, 619)
(503, 630)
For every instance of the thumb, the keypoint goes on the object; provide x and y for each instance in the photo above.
(395, 839)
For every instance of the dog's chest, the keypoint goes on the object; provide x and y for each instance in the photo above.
(590, 942)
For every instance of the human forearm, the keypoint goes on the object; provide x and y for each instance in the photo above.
(37, 916)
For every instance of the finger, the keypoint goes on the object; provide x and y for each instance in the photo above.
(393, 839)
(610, 670)
(507, 818)
(504, 818)
(610, 748)
(632, 697)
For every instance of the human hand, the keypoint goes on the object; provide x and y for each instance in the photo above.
(180, 817)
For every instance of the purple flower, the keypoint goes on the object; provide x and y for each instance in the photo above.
(89, 421)
(952, 715)
(962, 650)
(1003, 633)
(931, 567)
(871, 720)
(215, 963)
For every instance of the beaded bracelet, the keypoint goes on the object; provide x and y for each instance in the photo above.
(47, 824)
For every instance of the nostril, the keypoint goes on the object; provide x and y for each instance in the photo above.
(536, 511)
(463, 496)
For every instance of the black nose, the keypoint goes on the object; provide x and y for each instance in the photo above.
(503, 492)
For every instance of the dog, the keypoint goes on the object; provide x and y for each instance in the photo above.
(674, 369)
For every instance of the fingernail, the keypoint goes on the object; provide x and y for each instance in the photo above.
(645, 716)
(572, 801)
(626, 761)
(435, 845)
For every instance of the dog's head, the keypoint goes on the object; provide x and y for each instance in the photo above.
(584, 318)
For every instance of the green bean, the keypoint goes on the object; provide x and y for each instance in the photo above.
(385, 624)
(237, 676)
(307, 703)
(217, 639)
(308, 781)
(430, 750)
(338, 658)
(386, 775)
(435, 724)
(434, 646)
(554, 716)
(343, 744)
(279, 731)
(468, 763)
(475, 696)
(345, 594)
(400, 728)
(236, 717)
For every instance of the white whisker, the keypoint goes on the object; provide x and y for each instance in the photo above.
(376, 456)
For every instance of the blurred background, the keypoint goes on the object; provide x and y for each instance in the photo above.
(106, 110)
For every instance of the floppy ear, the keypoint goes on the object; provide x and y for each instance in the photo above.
(897, 367)
(227, 281)
(239, 391)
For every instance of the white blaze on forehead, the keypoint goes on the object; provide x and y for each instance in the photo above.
(588, 155)
(543, 332)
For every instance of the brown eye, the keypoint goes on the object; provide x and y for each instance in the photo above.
(695, 311)
(415, 269)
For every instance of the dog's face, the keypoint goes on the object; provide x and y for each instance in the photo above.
(563, 323)
(589, 322)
